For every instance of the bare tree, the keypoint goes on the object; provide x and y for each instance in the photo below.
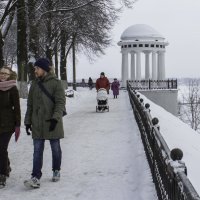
(92, 24)
(190, 105)
(7, 10)
(22, 59)
(33, 36)
(10, 46)
(52, 25)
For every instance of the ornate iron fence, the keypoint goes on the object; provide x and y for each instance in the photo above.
(168, 171)
(153, 84)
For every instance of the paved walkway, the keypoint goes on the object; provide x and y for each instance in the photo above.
(103, 156)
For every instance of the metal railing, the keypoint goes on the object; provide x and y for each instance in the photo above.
(153, 84)
(79, 84)
(168, 171)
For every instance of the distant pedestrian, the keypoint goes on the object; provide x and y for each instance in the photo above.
(83, 82)
(103, 82)
(115, 87)
(10, 118)
(90, 83)
(45, 105)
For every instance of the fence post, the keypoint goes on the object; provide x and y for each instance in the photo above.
(147, 107)
(168, 84)
(176, 155)
(155, 124)
(149, 84)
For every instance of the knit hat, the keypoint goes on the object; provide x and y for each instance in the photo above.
(102, 73)
(43, 63)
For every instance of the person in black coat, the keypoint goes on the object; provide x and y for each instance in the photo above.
(90, 83)
(10, 118)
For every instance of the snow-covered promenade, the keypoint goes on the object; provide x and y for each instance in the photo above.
(103, 156)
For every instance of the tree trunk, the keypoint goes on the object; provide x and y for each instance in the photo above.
(22, 48)
(33, 38)
(49, 18)
(74, 64)
(56, 59)
(49, 53)
(30, 71)
(63, 60)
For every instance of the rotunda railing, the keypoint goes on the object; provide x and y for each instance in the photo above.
(153, 84)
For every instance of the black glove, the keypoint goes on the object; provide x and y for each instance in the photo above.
(28, 127)
(53, 123)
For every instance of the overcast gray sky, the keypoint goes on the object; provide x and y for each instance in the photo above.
(177, 20)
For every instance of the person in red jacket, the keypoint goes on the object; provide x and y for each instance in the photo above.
(103, 82)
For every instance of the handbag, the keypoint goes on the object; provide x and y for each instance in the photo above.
(41, 86)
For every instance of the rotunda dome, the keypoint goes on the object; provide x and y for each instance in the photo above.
(141, 32)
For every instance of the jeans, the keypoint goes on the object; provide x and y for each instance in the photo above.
(4, 161)
(38, 156)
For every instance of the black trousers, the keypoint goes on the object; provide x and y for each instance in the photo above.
(4, 161)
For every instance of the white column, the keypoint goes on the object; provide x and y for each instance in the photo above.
(158, 67)
(154, 67)
(124, 68)
(138, 65)
(132, 65)
(147, 65)
(161, 65)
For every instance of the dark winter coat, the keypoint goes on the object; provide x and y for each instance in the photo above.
(10, 115)
(103, 83)
(115, 87)
(40, 108)
(90, 82)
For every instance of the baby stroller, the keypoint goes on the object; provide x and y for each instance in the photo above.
(102, 100)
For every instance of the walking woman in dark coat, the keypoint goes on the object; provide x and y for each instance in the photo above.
(115, 87)
(90, 83)
(10, 118)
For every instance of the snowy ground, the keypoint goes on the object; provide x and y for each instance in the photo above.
(103, 156)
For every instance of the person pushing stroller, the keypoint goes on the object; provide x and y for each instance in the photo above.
(103, 82)
(102, 87)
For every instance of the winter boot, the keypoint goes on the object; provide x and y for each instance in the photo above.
(32, 183)
(8, 171)
(56, 176)
(2, 181)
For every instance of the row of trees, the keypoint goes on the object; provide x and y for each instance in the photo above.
(52, 28)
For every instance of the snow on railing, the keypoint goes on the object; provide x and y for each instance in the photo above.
(168, 170)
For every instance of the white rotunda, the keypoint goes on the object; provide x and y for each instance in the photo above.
(138, 39)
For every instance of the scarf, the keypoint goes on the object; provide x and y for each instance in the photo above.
(6, 85)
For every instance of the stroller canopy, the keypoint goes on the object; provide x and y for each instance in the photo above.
(102, 94)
